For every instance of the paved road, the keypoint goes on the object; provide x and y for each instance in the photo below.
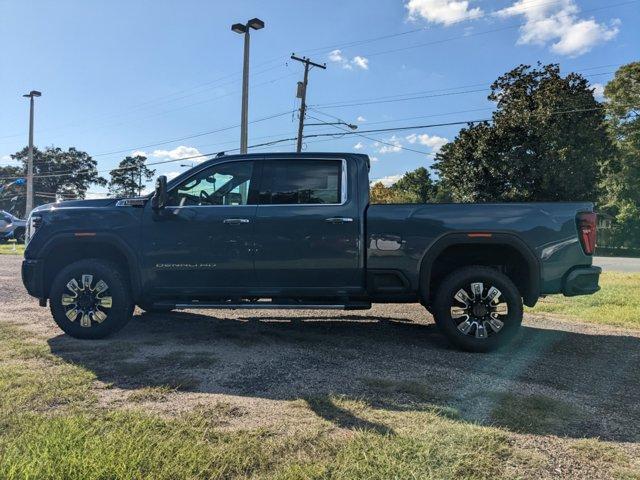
(618, 264)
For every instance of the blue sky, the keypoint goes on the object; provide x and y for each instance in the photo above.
(125, 76)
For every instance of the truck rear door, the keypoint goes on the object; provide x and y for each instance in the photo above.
(307, 230)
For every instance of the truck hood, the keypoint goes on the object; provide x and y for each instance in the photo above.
(94, 203)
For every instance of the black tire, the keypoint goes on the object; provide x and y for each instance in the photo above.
(19, 235)
(115, 317)
(149, 308)
(474, 325)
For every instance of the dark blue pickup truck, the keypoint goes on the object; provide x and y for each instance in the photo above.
(297, 231)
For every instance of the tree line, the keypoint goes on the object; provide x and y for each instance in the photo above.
(68, 174)
(549, 139)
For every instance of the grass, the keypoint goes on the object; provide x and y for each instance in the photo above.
(8, 249)
(617, 303)
(52, 426)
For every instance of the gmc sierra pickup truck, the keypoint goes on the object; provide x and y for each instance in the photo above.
(288, 231)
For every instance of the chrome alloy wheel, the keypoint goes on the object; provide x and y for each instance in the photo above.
(479, 312)
(86, 301)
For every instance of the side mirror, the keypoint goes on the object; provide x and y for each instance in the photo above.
(159, 198)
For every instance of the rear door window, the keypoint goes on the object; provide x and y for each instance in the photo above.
(301, 182)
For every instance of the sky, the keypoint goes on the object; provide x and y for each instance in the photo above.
(163, 78)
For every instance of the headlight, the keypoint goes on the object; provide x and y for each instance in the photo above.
(33, 222)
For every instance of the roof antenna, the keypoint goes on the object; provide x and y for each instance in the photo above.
(219, 154)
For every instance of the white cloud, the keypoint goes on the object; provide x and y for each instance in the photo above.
(6, 160)
(446, 12)
(388, 180)
(361, 119)
(179, 153)
(172, 175)
(336, 56)
(373, 159)
(358, 146)
(598, 91)
(433, 141)
(359, 61)
(140, 153)
(95, 195)
(558, 22)
(393, 145)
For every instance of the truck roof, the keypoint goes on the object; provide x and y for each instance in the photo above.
(285, 155)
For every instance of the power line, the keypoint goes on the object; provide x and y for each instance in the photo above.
(383, 142)
(231, 127)
(318, 135)
(445, 93)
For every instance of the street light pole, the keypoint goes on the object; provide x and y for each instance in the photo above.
(244, 118)
(244, 29)
(29, 203)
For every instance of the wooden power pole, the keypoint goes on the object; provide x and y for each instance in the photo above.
(302, 94)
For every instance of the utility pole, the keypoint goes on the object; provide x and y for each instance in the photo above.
(29, 205)
(302, 94)
(244, 29)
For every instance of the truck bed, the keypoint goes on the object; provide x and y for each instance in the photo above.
(399, 236)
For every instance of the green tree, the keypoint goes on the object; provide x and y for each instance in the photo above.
(11, 195)
(57, 174)
(547, 141)
(127, 179)
(416, 185)
(622, 182)
(378, 194)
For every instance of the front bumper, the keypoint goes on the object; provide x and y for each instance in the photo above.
(581, 281)
(33, 277)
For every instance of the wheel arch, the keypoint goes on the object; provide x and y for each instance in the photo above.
(65, 248)
(489, 249)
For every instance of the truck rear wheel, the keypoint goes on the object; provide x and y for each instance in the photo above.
(91, 299)
(478, 308)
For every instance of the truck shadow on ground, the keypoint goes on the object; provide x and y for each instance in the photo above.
(546, 382)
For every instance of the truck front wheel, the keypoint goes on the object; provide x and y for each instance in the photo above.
(478, 308)
(91, 299)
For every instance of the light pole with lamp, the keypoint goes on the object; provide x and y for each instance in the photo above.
(256, 24)
(29, 204)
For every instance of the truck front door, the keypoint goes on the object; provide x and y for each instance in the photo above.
(308, 229)
(201, 242)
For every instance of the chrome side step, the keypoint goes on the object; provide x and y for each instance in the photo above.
(264, 306)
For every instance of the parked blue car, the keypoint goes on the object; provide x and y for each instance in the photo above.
(11, 227)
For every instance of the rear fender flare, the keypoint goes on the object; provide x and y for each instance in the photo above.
(530, 296)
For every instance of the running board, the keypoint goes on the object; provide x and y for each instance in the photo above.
(265, 306)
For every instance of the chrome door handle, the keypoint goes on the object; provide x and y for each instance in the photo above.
(338, 220)
(235, 221)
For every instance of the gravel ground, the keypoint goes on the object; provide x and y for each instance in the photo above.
(569, 379)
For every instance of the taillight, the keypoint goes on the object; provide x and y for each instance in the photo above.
(587, 226)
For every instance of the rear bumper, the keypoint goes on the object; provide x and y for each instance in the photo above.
(581, 281)
(33, 277)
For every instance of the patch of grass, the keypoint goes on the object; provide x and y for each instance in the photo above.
(136, 445)
(593, 450)
(8, 249)
(617, 303)
(533, 413)
(150, 394)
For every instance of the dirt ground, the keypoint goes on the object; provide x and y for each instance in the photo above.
(567, 379)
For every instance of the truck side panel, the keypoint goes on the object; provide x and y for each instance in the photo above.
(399, 236)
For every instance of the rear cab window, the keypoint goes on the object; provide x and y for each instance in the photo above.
(302, 182)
